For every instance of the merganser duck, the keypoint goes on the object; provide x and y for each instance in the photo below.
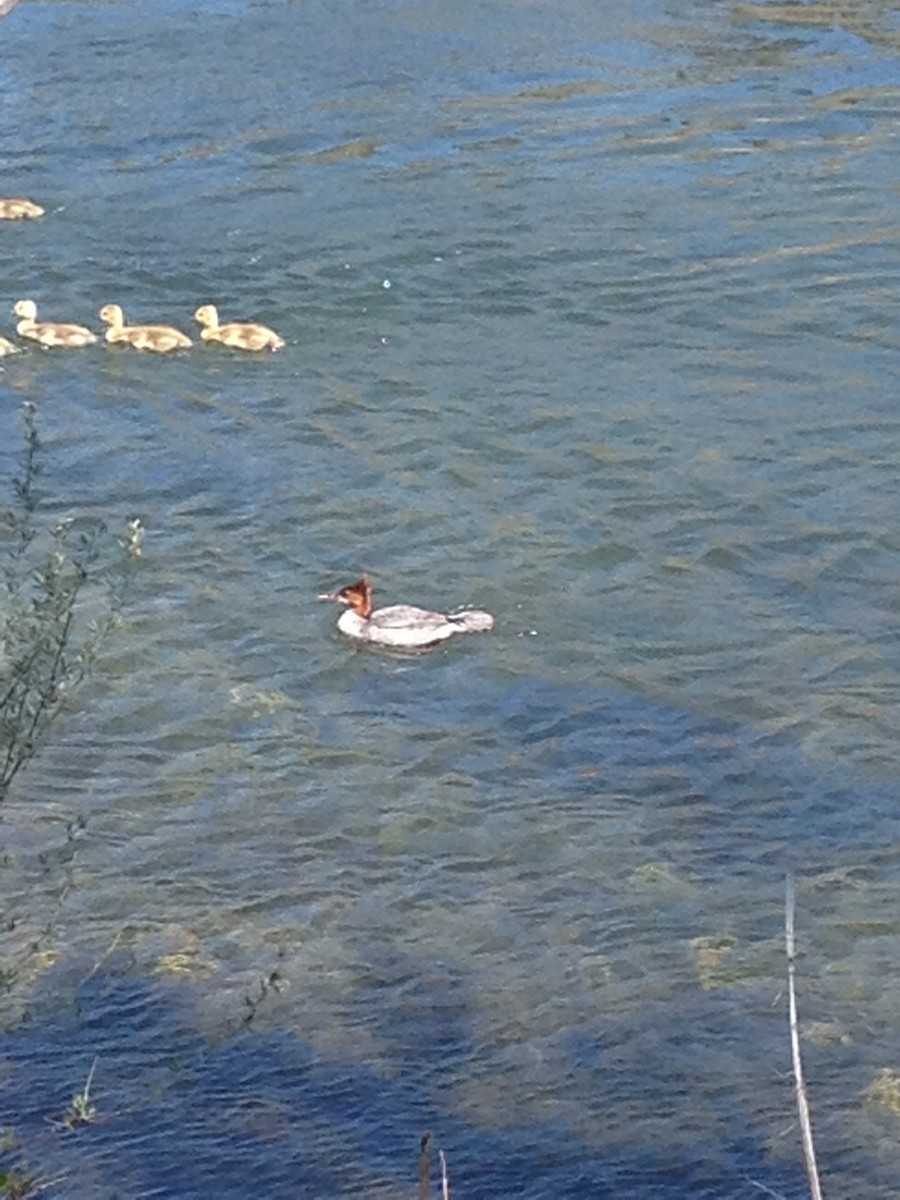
(242, 335)
(401, 625)
(49, 333)
(159, 338)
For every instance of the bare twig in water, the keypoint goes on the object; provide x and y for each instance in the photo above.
(106, 953)
(425, 1167)
(763, 1188)
(809, 1149)
(445, 1179)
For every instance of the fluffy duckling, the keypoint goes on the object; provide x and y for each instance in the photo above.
(15, 210)
(6, 347)
(49, 333)
(160, 338)
(243, 335)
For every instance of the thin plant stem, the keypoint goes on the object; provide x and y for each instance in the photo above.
(445, 1178)
(809, 1149)
(425, 1167)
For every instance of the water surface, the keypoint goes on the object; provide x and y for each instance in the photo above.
(591, 322)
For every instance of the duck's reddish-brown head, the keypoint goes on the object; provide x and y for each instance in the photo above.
(357, 596)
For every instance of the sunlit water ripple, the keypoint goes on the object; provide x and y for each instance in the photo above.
(591, 322)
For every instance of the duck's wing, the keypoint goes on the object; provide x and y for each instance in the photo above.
(407, 616)
(408, 628)
(472, 620)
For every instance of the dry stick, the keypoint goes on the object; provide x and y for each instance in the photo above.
(106, 953)
(444, 1177)
(425, 1167)
(809, 1149)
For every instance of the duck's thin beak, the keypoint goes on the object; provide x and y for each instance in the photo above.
(327, 596)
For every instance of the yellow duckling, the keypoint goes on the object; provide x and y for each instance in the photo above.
(49, 333)
(243, 335)
(160, 338)
(15, 210)
(6, 347)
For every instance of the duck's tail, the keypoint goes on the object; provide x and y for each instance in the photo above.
(473, 621)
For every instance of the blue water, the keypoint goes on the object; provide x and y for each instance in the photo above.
(265, 1112)
(590, 320)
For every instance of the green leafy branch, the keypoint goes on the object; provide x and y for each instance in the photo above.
(44, 652)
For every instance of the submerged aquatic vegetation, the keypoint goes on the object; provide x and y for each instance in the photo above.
(884, 1091)
(81, 1111)
(62, 592)
(16, 1185)
(16, 1182)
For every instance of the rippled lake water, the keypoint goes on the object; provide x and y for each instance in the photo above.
(591, 321)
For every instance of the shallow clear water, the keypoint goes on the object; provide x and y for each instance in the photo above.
(591, 322)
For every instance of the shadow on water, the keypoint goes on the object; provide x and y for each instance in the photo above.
(584, 1001)
(260, 1114)
(672, 1047)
